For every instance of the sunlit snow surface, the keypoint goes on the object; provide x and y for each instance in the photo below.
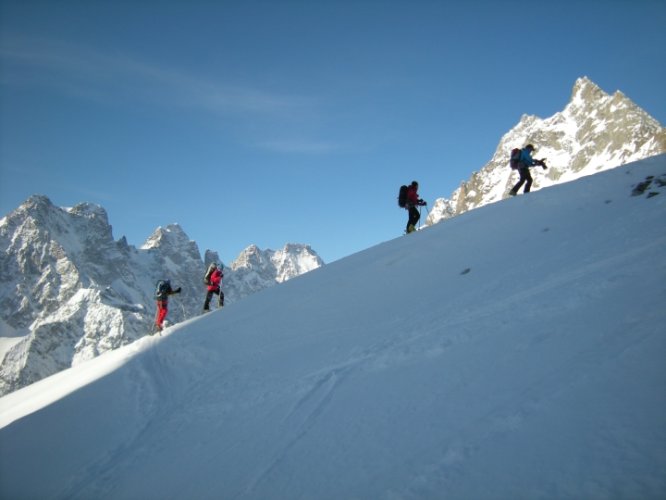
(515, 351)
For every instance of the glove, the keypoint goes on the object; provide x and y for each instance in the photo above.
(177, 290)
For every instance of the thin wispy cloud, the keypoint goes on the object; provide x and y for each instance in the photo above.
(95, 74)
(88, 74)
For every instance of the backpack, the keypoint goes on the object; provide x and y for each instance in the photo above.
(209, 271)
(514, 161)
(402, 196)
(162, 289)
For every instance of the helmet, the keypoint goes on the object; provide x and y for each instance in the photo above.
(530, 147)
(414, 183)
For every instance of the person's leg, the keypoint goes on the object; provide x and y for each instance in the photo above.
(516, 187)
(413, 219)
(528, 181)
(162, 311)
(416, 215)
(209, 295)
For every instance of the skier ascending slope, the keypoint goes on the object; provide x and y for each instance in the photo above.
(213, 280)
(523, 164)
(412, 202)
(162, 292)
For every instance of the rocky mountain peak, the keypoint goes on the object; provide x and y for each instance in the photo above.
(211, 256)
(251, 256)
(295, 259)
(174, 241)
(585, 90)
(35, 204)
(90, 211)
(594, 132)
(69, 292)
(171, 234)
(35, 211)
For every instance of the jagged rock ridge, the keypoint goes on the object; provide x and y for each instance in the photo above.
(255, 270)
(71, 292)
(595, 131)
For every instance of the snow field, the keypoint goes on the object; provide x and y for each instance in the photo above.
(391, 373)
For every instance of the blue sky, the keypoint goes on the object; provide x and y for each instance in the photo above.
(292, 121)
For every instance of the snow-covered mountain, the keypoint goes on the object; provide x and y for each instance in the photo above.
(594, 132)
(254, 269)
(70, 292)
(513, 352)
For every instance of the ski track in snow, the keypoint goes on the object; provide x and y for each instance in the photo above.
(145, 382)
(302, 418)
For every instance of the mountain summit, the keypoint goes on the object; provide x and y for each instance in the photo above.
(595, 131)
(70, 292)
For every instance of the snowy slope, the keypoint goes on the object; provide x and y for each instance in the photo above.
(515, 351)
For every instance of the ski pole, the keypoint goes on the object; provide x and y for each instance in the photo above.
(182, 308)
(157, 312)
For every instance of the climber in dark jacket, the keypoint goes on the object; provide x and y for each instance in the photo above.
(526, 161)
(162, 297)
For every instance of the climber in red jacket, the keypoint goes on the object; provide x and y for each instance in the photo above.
(214, 283)
(413, 201)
